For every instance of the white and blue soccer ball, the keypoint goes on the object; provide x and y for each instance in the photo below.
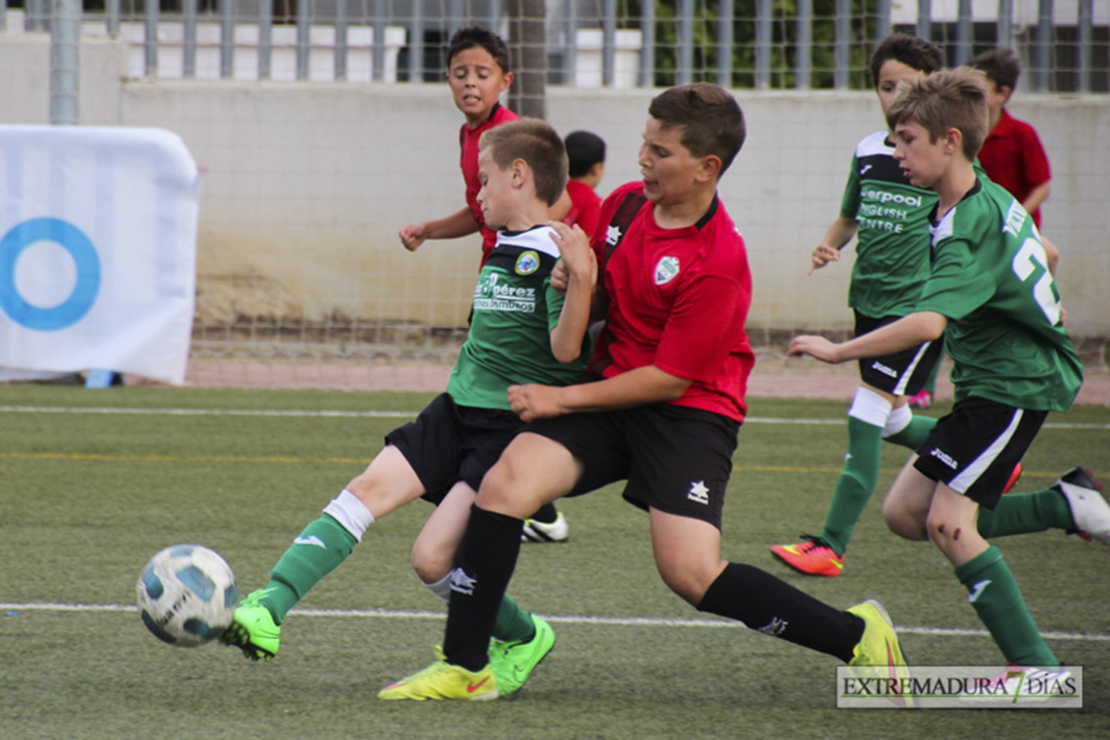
(187, 595)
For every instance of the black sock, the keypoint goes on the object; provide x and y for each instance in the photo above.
(483, 567)
(547, 514)
(771, 606)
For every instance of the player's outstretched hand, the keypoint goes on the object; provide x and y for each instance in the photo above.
(814, 346)
(413, 235)
(534, 401)
(822, 256)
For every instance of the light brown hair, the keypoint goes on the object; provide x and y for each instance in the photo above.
(947, 99)
(537, 143)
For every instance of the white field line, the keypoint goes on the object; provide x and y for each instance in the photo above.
(388, 415)
(11, 609)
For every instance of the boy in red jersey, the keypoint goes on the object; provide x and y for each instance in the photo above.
(1012, 155)
(663, 413)
(586, 153)
(477, 73)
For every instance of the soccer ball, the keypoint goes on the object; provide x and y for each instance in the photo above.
(187, 595)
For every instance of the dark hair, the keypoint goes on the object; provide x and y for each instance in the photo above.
(1001, 66)
(955, 98)
(915, 53)
(710, 118)
(469, 37)
(537, 143)
(584, 150)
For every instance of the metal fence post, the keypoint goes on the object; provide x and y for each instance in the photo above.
(304, 15)
(1086, 41)
(227, 38)
(265, 38)
(686, 10)
(65, 39)
(803, 63)
(1042, 46)
(841, 52)
(882, 19)
(963, 33)
(1005, 31)
(150, 39)
(379, 40)
(925, 19)
(189, 50)
(609, 43)
(341, 12)
(647, 56)
(763, 29)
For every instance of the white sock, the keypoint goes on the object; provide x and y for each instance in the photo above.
(870, 408)
(441, 588)
(351, 513)
(898, 420)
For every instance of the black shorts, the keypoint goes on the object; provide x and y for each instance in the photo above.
(974, 449)
(902, 373)
(675, 459)
(448, 443)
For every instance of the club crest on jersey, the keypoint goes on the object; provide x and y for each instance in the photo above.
(666, 270)
(527, 263)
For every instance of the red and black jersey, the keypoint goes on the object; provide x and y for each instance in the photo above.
(468, 143)
(678, 299)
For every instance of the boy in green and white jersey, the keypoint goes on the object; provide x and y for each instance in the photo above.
(523, 331)
(990, 286)
(889, 216)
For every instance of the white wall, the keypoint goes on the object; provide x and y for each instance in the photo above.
(304, 186)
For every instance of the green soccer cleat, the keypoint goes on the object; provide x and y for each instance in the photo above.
(442, 680)
(878, 646)
(513, 661)
(253, 629)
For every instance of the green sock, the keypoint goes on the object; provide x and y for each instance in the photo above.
(914, 434)
(513, 623)
(996, 598)
(321, 547)
(855, 485)
(1022, 513)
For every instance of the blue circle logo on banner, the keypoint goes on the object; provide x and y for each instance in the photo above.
(74, 241)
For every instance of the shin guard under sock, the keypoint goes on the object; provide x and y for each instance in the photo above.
(772, 606)
(996, 598)
(483, 567)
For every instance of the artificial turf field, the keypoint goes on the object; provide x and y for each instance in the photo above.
(94, 482)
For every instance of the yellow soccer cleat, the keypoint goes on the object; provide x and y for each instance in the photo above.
(442, 680)
(879, 647)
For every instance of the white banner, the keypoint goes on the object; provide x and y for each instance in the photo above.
(98, 232)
